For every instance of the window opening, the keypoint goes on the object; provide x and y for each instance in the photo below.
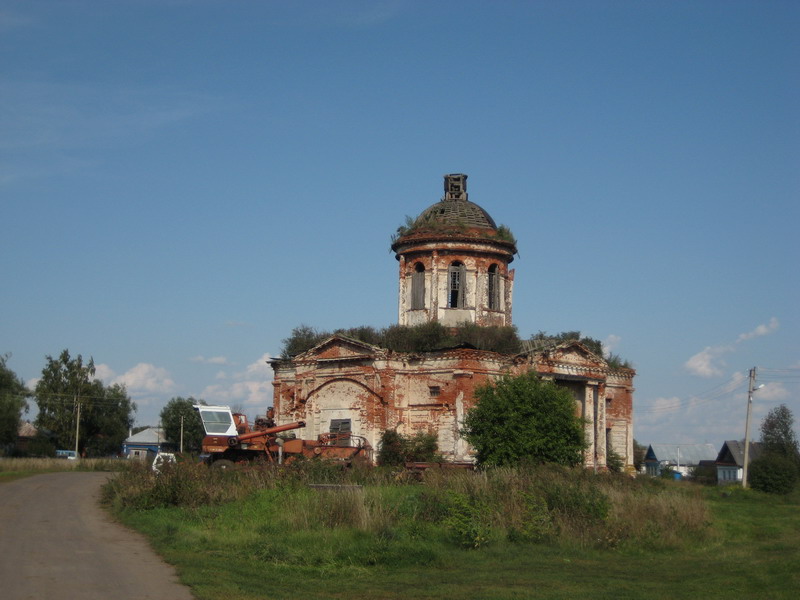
(342, 428)
(494, 288)
(418, 287)
(455, 297)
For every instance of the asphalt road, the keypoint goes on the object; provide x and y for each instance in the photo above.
(56, 542)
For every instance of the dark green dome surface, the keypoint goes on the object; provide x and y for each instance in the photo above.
(458, 212)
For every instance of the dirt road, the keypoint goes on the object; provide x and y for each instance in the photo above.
(56, 542)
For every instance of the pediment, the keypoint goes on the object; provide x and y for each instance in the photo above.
(574, 353)
(341, 348)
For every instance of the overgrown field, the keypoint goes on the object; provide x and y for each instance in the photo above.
(502, 533)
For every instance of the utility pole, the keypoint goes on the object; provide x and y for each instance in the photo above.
(750, 389)
(77, 423)
(181, 434)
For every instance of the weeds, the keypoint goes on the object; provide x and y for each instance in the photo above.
(560, 506)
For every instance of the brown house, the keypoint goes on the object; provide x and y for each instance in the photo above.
(453, 269)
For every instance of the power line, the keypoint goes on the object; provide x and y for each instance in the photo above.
(719, 391)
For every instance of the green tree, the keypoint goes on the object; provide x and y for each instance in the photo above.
(773, 474)
(68, 387)
(778, 436)
(13, 403)
(106, 420)
(193, 432)
(523, 418)
(777, 470)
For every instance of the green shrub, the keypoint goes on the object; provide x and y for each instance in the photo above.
(773, 473)
(466, 521)
(578, 500)
(396, 449)
(614, 461)
(537, 523)
(706, 475)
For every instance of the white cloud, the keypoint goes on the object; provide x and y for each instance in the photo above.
(708, 362)
(773, 392)
(213, 360)
(146, 378)
(104, 373)
(760, 330)
(611, 343)
(659, 409)
(251, 387)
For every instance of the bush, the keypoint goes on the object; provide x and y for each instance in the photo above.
(396, 449)
(466, 521)
(773, 474)
(523, 418)
(614, 461)
(706, 475)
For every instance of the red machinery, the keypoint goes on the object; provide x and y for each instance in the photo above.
(230, 439)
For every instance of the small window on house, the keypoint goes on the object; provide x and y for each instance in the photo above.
(418, 287)
(494, 288)
(456, 285)
(435, 391)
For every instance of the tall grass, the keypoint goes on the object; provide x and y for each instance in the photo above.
(35, 465)
(570, 508)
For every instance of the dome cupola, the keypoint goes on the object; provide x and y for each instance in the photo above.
(454, 263)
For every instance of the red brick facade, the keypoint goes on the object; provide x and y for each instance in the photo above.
(453, 271)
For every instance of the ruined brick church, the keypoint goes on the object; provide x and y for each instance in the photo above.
(454, 268)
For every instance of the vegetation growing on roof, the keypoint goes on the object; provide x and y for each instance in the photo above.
(435, 336)
(419, 338)
(545, 340)
(428, 223)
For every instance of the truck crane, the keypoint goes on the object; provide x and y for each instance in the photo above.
(230, 440)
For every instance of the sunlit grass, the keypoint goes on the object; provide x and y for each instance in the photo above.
(27, 466)
(506, 533)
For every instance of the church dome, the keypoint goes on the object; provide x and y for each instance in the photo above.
(458, 213)
(454, 209)
(454, 218)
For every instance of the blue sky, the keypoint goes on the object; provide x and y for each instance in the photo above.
(182, 182)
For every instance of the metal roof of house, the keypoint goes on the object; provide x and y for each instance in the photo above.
(681, 454)
(732, 452)
(151, 435)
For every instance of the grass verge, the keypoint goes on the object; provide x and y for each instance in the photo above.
(521, 533)
(16, 468)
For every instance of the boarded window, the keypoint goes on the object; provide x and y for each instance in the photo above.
(456, 285)
(494, 288)
(342, 427)
(418, 287)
